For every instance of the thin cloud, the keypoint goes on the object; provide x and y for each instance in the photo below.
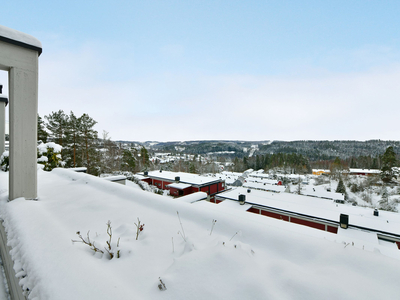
(360, 105)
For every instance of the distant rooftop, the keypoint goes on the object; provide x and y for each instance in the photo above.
(183, 177)
(317, 207)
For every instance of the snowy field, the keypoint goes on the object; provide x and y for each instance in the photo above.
(240, 256)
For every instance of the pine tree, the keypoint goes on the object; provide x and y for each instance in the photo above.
(128, 161)
(192, 168)
(57, 124)
(145, 159)
(341, 187)
(74, 129)
(389, 161)
(89, 137)
(41, 132)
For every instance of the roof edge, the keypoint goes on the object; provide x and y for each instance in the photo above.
(20, 39)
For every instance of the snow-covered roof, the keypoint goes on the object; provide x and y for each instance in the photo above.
(321, 170)
(264, 186)
(20, 39)
(320, 192)
(78, 169)
(115, 178)
(189, 178)
(317, 207)
(179, 186)
(194, 197)
(366, 171)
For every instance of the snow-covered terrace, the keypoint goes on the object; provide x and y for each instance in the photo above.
(208, 251)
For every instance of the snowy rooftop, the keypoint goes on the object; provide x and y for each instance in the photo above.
(184, 177)
(206, 251)
(194, 197)
(321, 208)
(115, 178)
(19, 38)
(366, 171)
(179, 186)
(264, 186)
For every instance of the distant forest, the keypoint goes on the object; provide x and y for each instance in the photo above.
(294, 156)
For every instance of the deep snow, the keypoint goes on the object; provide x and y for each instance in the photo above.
(247, 256)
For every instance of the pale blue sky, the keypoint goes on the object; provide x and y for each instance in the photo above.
(187, 70)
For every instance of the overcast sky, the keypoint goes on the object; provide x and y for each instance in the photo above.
(243, 70)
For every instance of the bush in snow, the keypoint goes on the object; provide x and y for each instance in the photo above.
(385, 203)
(4, 161)
(146, 187)
(110, 248)
(49, 154)
(366, 196)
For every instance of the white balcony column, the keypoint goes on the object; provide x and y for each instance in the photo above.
(3, 103)
(19, 55)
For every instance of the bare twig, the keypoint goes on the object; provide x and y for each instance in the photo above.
(212, 226)
(139, 228)
(233, 236)
(161, 285)
(184, 236)
(87, 242)
(108, 248)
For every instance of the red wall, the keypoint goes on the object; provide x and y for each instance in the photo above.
(308, 223)
(148, 180)
(213, 188)
(254, 210)
(157, 183)
(165, 183)
(331, 229)
(175, 191)
(204, 189)
(274, 215)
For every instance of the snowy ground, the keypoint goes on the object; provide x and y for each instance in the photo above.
(245, 256)
(3, 289)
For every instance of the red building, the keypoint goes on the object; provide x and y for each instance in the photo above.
(181, 184)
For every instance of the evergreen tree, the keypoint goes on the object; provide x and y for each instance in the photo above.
(75, 133)
(128, 161)
(389, 161)
(41, 132)
(298, 190)
(57, 124)
(89, 137)
(50, 156)
(341, 187)
(192, 168)
(144, 157)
